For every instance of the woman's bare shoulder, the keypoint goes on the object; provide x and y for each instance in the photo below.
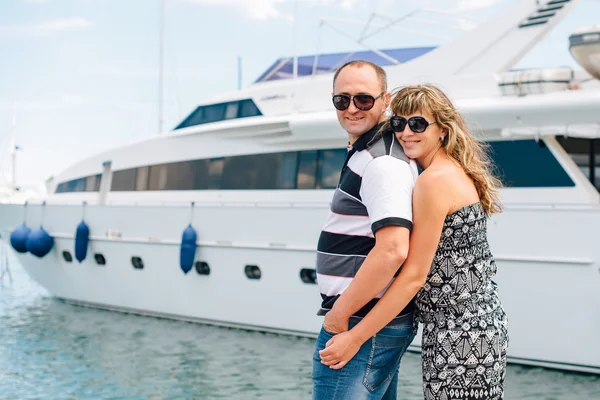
(436, 186)
(437, 178)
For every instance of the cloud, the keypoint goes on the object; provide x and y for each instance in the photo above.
(267, 9)
(73, 101)
(131, 72)
(255, 9)
(123, 71)
(464, 5)
(349, 3)
(47, 28)
(345, 4)
(453, 5)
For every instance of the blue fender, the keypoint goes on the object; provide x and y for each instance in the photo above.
(39, 242)
(18, 238)
(82, 238)
(188, 249)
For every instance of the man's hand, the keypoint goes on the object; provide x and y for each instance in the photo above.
(335, 323)
(339, 350)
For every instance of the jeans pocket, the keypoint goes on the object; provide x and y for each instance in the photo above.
(387, 348)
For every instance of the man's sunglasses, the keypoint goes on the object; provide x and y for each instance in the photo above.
(364, 102)
(416, 124)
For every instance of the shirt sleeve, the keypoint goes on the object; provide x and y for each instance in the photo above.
(386, 192)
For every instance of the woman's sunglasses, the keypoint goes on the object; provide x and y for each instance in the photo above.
(416, 124)
(364, 102)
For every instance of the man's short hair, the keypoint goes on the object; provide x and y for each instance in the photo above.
(362, 63)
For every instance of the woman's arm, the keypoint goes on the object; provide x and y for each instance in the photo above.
(374, 275)
(429, 211)
(386, 192)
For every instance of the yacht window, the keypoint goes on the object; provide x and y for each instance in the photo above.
(124, 180)
(260, 171)
(87, 184)
(215, 173)
(330, 164)
(141, 179)
(61, 187)
(92, 183)
(76, 185)
(195, 118)
(239, 171)
(158, 177)
(307, 170)
(64, 187)
(252, 272)
(584, 153)
(214, 113)
(220, 112)
(231, 111)
(286, 173)
(519, 163)
(527, 163)
(67, 256)
(312, 169)
(308, 275)
(201, 170)
(180, 176)
(248, 109)
(325, 63)
(202, 268)
(100, 260)
(137, 262)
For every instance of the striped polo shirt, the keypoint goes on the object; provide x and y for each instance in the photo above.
(374, 191)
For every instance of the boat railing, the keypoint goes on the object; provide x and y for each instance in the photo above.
(374, 26)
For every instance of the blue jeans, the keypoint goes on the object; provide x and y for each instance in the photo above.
(371, 374)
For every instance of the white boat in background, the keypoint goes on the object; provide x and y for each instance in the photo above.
(585, 47)
(253, 173)
(10, 190)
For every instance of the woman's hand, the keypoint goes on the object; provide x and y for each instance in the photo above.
(339, 350)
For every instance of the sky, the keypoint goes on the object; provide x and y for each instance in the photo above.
(81, 76)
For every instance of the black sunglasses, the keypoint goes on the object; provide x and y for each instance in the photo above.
(364, 102)
(416, 124)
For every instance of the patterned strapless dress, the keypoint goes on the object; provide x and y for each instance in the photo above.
(465, 337)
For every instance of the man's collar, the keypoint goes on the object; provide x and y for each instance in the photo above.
(363, 141)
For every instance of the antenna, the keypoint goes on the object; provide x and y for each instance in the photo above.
(295, 62)
(14, 149)
(14, 169)
(239, 72)
(161, 50)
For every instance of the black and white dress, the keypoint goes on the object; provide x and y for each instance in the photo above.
(464, 325)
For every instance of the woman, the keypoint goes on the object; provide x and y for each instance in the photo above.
(449, 262)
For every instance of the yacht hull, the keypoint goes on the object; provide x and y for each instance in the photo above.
(548, 275)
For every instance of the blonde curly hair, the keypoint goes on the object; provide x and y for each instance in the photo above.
(460, 145)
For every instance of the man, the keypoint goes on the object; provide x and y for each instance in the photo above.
(365, 239)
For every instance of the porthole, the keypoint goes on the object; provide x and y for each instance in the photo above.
(202, 268)
(100, 260)
(67, 256)
(252, 272)
(137, 262)
(308, 275)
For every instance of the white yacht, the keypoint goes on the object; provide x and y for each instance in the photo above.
(253, 173)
